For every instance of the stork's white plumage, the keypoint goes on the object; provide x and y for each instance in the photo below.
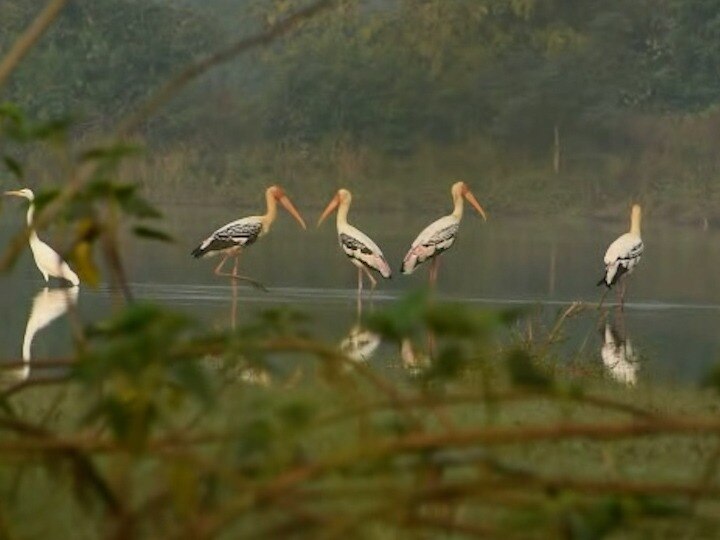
(440, 235)
(46, 258)
(360, 249)
(624, 254)
(230, 239)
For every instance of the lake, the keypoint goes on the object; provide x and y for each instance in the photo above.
(669, 329)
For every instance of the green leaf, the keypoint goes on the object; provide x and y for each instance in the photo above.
(194, 379)
(11, 111)
(112, 152)
(403, 319)
(139, 207)
(524, 372)
(13, 166)
(448, 365)
(48, 130)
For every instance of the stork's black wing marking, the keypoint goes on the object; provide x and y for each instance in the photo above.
(634, 252)
(443, 239)
(624, 265)
(230, 236)
(242, 234)
(353, 244)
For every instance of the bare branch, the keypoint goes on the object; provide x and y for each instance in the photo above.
(28, 38)
(193, 71)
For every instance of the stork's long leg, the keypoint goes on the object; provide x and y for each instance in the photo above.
(234, 274)
(434, 264)
(233, 312)
(373, 281)
(622, 292)
(602, 298)
(219, 266)
(359, 292)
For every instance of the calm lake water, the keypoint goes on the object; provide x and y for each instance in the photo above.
(670, 329)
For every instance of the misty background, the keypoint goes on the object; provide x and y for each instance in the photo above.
(543, 106)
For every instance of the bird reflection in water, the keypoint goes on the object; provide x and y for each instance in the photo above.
(414, 360)
(47, 306)
(360, 344)
(618, 355)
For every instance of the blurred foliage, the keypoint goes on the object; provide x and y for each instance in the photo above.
(171, 436)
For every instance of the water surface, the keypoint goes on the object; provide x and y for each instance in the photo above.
(669, 328)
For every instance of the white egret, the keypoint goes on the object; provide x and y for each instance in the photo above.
(46, 258)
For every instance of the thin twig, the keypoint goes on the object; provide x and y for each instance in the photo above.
(193, 71)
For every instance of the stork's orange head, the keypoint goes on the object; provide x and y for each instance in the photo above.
(461, 189)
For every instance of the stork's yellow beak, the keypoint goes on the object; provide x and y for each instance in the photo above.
(292, 210)
(473, 201)
(332, 205)
(13, 193)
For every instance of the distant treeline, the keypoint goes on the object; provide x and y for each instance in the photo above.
(569, 103)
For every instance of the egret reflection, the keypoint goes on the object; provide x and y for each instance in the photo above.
(618, 355)
(48, 305)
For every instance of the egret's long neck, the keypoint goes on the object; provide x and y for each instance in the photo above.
(30, 214)
(271, 212)
(343, 212)
(457, 205)
(635, 219)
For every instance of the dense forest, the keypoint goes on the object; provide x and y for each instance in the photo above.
(541, 104)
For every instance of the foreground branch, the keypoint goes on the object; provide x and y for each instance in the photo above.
(28, 38)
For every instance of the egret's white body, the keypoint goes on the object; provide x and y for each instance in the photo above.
(359, 247)
(624, 254)
(46, 258)
(230, 239)
(619, 357)
(440, 235)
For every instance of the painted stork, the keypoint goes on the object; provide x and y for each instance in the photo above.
(230, 239)
(46, 258)
(360, 249)
(440, 235)
(623, 255)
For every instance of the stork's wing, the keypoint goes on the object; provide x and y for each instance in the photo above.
(240, 233)
(622, 257)
(359, 247)
(437, 237)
